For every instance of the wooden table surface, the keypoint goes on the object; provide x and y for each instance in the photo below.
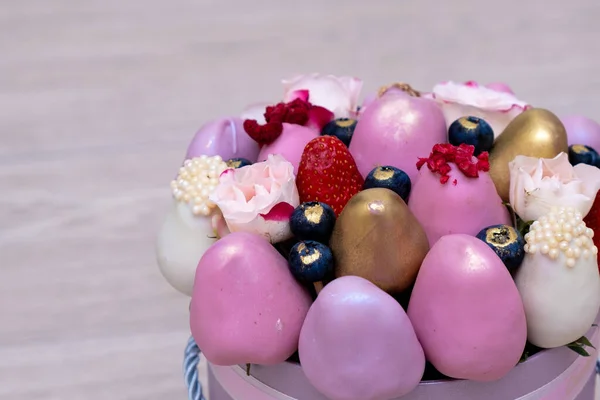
(98, 99)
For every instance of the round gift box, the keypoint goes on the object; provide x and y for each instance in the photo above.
(556, 374)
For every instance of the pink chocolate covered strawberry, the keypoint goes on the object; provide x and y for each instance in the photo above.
(328, 173)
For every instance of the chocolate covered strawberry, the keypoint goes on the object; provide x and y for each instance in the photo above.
(328, 173)
(592, 220)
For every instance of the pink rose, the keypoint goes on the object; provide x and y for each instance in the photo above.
(259, 198)
(337, 94)
(539, 184)
(495, 104)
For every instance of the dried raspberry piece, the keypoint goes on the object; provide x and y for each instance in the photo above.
(443, 154)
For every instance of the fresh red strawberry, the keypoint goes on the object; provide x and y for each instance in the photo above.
(328, 173)
(592, 220)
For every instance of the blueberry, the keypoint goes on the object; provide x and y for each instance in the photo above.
(342, 128)
(579, 153)
(507, 242)
(313, 221)
(473, 131)
(389, 178)
(238, 163)
(311, 261)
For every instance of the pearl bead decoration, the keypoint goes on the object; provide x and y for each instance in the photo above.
(197, 179)
(561, 231)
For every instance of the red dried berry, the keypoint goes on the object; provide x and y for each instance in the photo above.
(462, 156)
(294, 112)
(263, 134)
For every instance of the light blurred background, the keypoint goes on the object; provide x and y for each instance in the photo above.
(98, 99)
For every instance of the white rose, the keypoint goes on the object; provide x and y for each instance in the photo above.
(538, 184)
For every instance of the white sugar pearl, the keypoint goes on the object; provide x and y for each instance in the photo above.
(585, 253)
(539, 236)
(567, 227)
(589, 232)
(532, 249)
(558, 236)
(553, 254)
(569, 252)
(563, 245)
(545, 249)
(556, 228)
(570, 262)
(568, 237)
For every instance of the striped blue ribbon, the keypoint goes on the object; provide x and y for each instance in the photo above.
(191, 358)
(190, 370)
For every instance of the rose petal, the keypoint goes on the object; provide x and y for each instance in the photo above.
(280, 212)
(497, 108)
(318, 117)
(298, 94)
(500, 87)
